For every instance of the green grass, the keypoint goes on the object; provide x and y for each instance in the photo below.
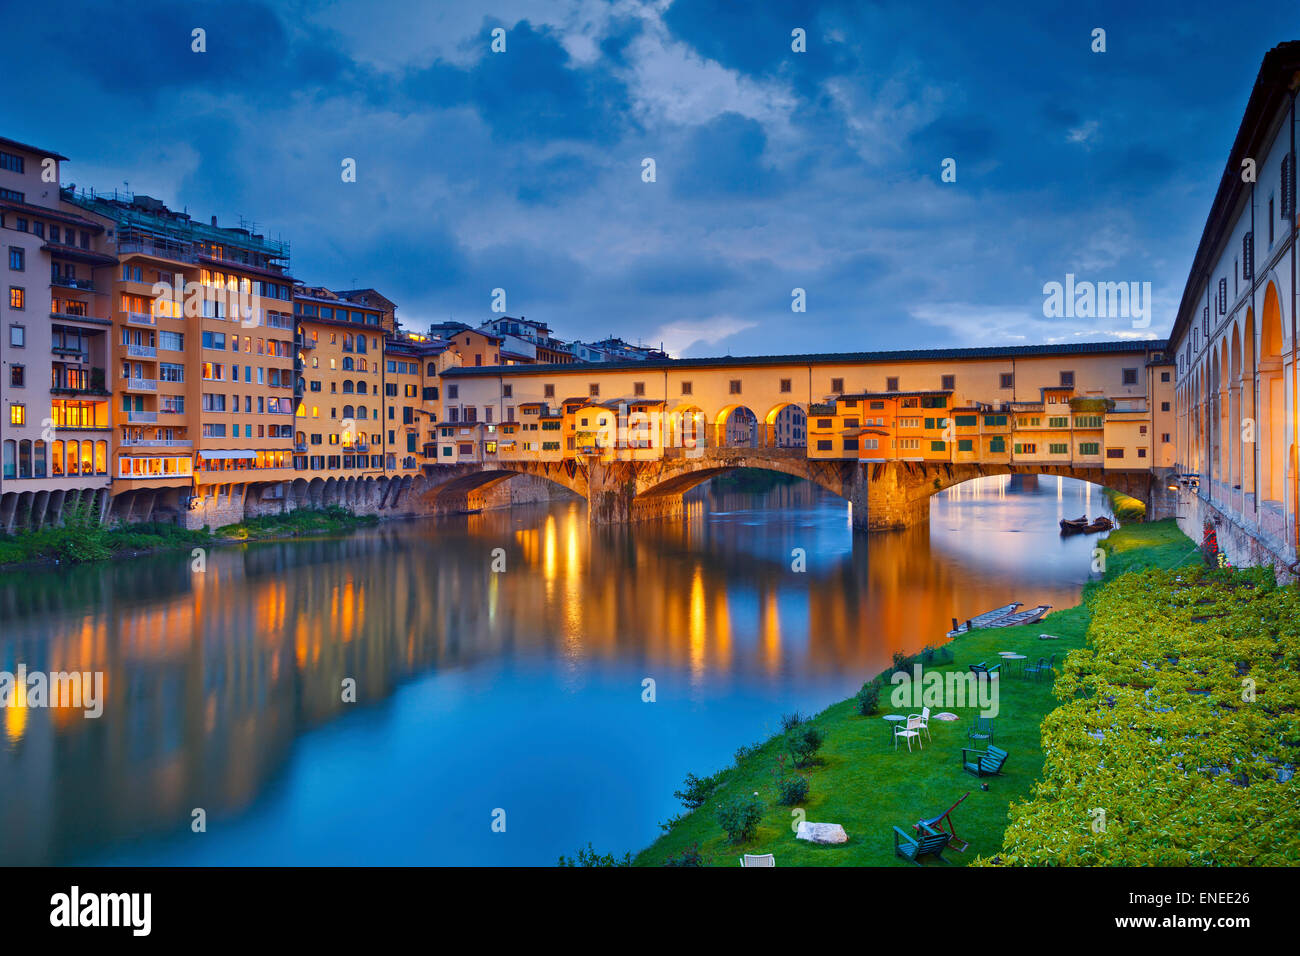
(302, 521)
(1126, 508)
(860, 782)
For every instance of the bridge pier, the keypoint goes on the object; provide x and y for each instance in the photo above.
(886, 498)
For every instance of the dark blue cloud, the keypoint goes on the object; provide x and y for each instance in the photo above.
(725, 158)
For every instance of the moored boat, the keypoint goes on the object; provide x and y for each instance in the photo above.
(1027, 616)
(983, 620)
(1101, 524)
(1074, 525)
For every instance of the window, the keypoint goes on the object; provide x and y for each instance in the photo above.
(17, 375)
(938, 446)
(17, 336)
(453, 391)
(1058, 448)
(1114, 452)
(1288, 186)
(1164, 406)
(967, 421)
(949, 382)
(1058, 421)
(1089, 448)
(1164, 376)
(965, 444)
(1271, 219)
(823, 444)
(735, 386)
(13, 163)
(1248, 256)
(507, 391)
(1007, 380)
(998, 444)
(1067, 380)
(850, 444)
(17, 258)
(1223, 297)
(548, 391)
(785, 385)
(17, 414)
(686, 388)
(837, 385)
(891, 384)
(1130, 376)
(995, 420)
(17, 297)
(1026, 448)
(638, 388)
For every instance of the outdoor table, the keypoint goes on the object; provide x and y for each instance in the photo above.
(1017, 661)
(890, 720)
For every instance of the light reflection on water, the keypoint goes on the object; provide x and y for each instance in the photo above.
(518, 690)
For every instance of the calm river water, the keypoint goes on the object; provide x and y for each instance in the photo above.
(477, 691)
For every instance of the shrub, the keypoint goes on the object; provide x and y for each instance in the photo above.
(793, 789)
(696, 790)
(868, 699)
(804, 744)
(688, 857)
(792, 720)
(589, 857)
(739, 817)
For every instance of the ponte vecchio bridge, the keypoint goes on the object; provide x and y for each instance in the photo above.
(884, 430)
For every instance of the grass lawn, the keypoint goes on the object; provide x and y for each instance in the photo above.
(858, 779)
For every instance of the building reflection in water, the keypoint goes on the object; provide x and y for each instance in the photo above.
(211, 677)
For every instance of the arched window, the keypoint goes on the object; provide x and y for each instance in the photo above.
(361, 387)
(101, 458)
(56, 459)
(347, 386)
(10, 459)
(87, 457)
(347, 411)
(302, 410)
(433, 368)
(25, 458)
(347, 363)
(74, 458)
(361, 343)
(361, 411)
(38, 459)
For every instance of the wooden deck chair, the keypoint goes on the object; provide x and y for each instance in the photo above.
(938, 823)
(928, 843)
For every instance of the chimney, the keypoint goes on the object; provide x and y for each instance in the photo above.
(214, 220)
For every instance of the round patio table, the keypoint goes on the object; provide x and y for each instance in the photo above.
(891, 720)
(1017, 661)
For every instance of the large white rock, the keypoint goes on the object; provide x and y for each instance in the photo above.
(821, 833)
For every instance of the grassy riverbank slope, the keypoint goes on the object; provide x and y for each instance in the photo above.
(859, 781)
(81, 538)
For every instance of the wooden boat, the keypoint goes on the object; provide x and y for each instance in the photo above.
(1028, 616)
(983, 620)
(1074, 525)
(1101, 524)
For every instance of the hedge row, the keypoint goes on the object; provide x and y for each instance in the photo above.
(1178, 735)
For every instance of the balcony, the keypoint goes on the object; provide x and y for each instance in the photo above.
(142, 418)
(157, 250)
(140, 318)
(300, 448)
(85, 285)
(141, 385)
(156, 442)
(305, 344)
(142, 351)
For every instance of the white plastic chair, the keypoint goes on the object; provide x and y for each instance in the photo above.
(758, 859)
(913, 729)
(925, 722)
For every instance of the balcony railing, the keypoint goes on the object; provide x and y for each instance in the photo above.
(142, 418)
(304, 343)
(156, 442)
(142, 385)
(141, 351)
(140, 318)
(70, 283)
(157, 250)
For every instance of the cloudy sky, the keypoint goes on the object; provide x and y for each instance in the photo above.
(775, 170)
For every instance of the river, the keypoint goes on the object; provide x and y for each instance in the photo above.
(500, 663)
